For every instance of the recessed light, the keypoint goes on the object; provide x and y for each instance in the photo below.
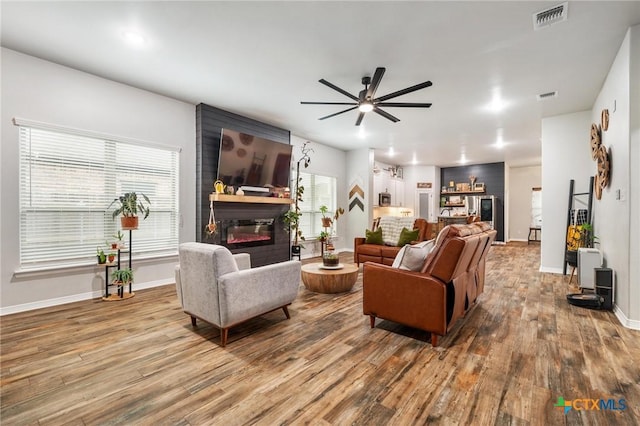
(134, 38)
(391, 152)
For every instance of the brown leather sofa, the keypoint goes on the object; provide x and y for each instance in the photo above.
(448, 285)
(363, 252)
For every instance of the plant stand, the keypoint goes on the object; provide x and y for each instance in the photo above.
(120, 294)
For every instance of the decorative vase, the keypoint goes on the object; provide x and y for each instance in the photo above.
(330, 258)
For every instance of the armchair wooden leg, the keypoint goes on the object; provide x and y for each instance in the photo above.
(193, 321)
(286, 312)
(224, 334)
(372, 320)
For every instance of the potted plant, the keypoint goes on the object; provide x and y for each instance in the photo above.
(122, 276)
(292, 217)
(118, 243)
(102, 258)
(326, 220)
(128, 206)
(111, 256)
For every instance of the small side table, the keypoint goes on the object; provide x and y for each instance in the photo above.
(536, 237)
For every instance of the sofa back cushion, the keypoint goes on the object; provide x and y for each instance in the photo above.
(452, 253)
(392, 227)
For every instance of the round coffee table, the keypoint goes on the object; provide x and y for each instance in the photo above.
(329, 280)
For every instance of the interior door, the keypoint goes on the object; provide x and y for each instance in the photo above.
(424, 204)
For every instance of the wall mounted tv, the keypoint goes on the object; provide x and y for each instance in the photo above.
(252, 162)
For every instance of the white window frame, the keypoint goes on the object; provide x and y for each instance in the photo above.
(117, 165)
(318, 190)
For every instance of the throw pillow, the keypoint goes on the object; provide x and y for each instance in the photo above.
(407, 236)
(412, 257)
(374, 237)
(398, 260)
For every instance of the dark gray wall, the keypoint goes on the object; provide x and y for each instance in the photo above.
(492, 174)
(209, 124)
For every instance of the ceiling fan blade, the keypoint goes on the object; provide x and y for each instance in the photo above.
(403, 91)
(360, 117)
(337, 89)
(338, 113)
(386, 115)
(328, 103)
(404, 104)
(375, 81)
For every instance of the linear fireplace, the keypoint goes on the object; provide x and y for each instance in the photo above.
(241, 233)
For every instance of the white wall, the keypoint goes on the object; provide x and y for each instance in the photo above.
(634, 179)
(415, 174)
(612, 214)
(521, 182)
(565, 156)
(360, 172)
(42, 91)
(326, 161)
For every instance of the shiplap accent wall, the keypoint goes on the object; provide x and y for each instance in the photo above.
(209, 124)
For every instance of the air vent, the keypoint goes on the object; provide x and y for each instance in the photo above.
(548, 95)
(550, 16)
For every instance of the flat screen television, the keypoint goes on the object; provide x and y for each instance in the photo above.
(253, 162)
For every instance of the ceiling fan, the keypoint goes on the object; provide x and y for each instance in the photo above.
(365, 101)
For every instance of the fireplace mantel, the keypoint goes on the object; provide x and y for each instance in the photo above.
(248, 199)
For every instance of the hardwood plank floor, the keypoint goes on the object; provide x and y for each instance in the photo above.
(140, 362)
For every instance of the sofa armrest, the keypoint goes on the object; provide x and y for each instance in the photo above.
(251, 292)
(243, 260)
(411, 298)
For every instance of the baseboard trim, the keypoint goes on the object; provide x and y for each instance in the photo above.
(626, 322)
(8, 310)
(549, 270)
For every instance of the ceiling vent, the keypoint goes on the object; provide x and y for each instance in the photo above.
(550, 16)
(548, 95)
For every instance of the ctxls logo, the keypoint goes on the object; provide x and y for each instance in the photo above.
(591, 404)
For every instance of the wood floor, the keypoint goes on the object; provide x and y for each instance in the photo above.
(140, 362)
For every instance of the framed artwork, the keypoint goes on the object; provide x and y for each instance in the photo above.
(478, 186)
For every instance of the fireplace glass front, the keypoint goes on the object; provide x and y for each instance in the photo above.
(239, 233)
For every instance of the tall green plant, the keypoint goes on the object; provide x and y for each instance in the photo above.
(292, 217)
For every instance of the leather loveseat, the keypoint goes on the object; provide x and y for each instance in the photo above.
(446, 287)
(385, 254)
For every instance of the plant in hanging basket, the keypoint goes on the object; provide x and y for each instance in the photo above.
(129, 205)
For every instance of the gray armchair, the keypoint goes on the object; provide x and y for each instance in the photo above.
(222, 289)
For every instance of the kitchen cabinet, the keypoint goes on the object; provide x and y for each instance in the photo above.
(382, 182)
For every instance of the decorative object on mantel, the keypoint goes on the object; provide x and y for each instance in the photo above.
(129, 206)
(472, 180)
(219, 186)
(240, 192)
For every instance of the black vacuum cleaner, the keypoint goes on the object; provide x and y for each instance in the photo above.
(603, 296)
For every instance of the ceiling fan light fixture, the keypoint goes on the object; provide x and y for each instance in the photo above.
(365, 106)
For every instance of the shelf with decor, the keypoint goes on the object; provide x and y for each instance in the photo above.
(248, 199)
(480, 191)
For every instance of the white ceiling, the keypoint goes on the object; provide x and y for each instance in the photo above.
(260, 59)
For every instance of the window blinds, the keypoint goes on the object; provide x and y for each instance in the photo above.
(67, 182)
(318, 191)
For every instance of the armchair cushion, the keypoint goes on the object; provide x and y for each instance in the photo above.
(374, 237)
(406, 236)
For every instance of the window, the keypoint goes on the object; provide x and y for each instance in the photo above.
(318, 191)
(68, 181)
